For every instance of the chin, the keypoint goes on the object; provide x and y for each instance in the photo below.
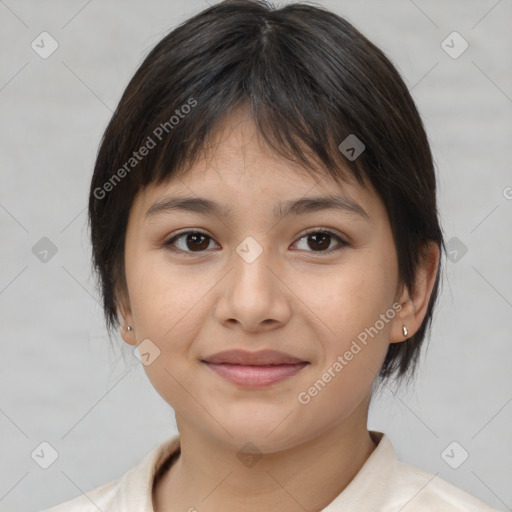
(268, 431)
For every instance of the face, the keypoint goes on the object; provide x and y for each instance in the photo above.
(316, 283)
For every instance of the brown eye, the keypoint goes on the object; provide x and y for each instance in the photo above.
(190, 241)
(320, 241)
(196, 241)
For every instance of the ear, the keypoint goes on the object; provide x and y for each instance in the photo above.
(125, 316)
(414, 303)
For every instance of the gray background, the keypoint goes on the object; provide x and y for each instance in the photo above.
(61, 380)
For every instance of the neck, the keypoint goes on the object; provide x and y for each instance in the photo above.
(208, 475)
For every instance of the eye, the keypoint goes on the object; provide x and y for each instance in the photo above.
(189, 242)
(320, 240)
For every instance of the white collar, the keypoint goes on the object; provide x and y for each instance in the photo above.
(366, 491)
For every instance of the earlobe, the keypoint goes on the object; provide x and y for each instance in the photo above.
(128, 334)
(414, 303)
(402, 328)
(126, 322)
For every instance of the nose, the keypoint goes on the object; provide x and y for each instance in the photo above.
(253, 295)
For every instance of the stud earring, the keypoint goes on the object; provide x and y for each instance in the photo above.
(128, 328)
(405, 331)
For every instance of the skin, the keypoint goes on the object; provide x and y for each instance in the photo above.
(296, 297)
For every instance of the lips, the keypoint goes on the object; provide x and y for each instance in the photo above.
(254, 369)
(261, 358)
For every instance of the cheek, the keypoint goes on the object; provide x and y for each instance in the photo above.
(168, 307)
(352, 296)
(355, 303)
(166, 300)
(353, 347)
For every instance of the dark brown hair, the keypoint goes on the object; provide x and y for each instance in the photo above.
(311, 79)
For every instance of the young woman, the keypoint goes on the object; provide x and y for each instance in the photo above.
(264, 225)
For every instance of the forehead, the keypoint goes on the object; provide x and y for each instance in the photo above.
(236, 144)
(237, 165)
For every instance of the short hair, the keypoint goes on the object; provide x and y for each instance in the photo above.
(311, 79)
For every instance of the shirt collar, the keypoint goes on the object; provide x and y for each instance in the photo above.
(369, 488)
(136, 486)
(366, 491)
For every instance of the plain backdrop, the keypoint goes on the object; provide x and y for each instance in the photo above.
(61, 380)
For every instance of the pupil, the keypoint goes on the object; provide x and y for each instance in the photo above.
(195, 237)
(324, 236)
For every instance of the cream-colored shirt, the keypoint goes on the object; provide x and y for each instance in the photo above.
(383, 484)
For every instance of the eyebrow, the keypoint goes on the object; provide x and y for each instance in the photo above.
(282, 209)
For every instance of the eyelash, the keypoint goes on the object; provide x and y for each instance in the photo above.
(342, 243)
